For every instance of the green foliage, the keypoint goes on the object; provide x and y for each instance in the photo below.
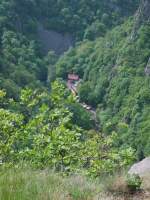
(50, 61)
(23, 65)
(46, 127)
(114, 81)
(81, 117)
(134, 182)
(103, 156)
(44, 133)
(83, 15)
(97, 29)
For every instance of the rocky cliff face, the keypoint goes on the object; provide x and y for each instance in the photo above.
(147, 69)
(52, 40)
(141, 167)
(142, 15)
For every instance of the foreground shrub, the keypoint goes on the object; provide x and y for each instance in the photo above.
(43, 134)
(134, 182)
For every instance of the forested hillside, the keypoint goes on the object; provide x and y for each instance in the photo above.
(22, 62)
(103, 126)
(85, 17)
(115, 73)
(55, 14)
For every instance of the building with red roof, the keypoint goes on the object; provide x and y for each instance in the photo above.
(73, 77)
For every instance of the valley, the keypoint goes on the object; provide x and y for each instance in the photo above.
(74, 99)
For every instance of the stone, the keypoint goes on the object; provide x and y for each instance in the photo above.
(141, 168)
(142, 15)
(147, 69)
(54, 41)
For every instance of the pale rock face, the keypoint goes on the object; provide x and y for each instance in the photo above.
(142, 15)
(54, 41)
(141, 168)
(147, 69)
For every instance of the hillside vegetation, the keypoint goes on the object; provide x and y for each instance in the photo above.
(22, 63)
(115, 82)
(44, 129)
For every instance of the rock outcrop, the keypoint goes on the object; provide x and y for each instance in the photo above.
(147, 69)
(52, 40)
(142, 15)
(141, 168)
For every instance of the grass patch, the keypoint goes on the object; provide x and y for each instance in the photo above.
(28, 184)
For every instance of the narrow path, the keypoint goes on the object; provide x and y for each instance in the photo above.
(73, 88)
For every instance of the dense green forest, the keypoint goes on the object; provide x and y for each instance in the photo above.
(82, 14)
(41, 123)
(115, 80)
(22, 62)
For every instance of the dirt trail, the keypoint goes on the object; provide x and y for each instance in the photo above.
(88, 108)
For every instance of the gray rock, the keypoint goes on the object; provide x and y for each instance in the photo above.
(52, 40)
(147, 69)
(141, 168)
(142, 15)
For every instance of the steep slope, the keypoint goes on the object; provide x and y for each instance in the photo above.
(45, 127)
(64, 16)
(114, 80)
(76, 16)
(22, 63)
(142, 15)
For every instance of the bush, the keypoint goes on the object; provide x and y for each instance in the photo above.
(134, 182)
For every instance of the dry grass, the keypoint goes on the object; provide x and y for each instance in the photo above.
(146, 182)
(23, 184)
(44, 185)
(117, 185)
(116, 188)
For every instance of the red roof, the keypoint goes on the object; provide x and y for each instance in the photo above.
(73, 77)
